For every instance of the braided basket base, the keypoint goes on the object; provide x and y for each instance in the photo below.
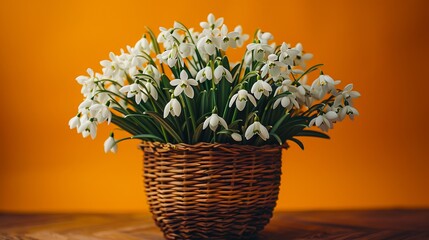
(211, 191)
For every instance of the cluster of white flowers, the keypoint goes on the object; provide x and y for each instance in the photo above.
(271, 72)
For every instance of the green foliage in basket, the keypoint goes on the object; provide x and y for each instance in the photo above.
(181, 87)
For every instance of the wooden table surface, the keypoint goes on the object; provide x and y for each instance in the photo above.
(374, 224)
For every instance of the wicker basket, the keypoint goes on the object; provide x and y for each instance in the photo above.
(211, 191)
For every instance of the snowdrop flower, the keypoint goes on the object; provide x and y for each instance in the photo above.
(272, 66)
(324, 121)
(220, 72)
(288, 102)
(241, 98)
(170, 56)
(212, 22)
(153, 72)
(173, 107)
(301, 57)
(101, 112)
(257, 128)
(184, 84)
(75, 122)
(140, 92)
(110, 144)
(207, 44)
(131, 62)
(239, 37)
(347, 95)
(237, 137)
(85, 105)
(186, 49)
(88, 83)
(259, 50)
(142, 47)
(204, 74)
(213, 121)
(134, 90)
(112, 69)
(261, 87)
(167, 37)
(264, 37)
(228, 39)
(287, 54)
(88, 127)
(322, 85)
(304, 94)
(348, 110)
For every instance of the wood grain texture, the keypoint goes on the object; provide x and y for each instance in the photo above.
(374, 224)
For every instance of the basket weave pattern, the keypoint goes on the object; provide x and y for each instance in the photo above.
(211, 191)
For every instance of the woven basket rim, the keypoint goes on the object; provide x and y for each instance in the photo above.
(187, 146)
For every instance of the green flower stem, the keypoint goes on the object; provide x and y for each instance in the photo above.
(191, 112)
(156, 110)
(186, 111)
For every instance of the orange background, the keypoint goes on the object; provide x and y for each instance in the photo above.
(378, 161)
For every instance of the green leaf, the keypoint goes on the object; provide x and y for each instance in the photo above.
(300, 144)
(280, 121)
(197, 133)
(225, 63)
(167, 126)
(312, 133)
(235, 69)
(277, 138)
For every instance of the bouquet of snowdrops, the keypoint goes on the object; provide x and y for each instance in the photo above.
(181, 87)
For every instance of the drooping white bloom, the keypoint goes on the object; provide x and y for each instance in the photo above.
(152, 71)
(85, 105)
(239, 38)
(220, 72)
(228, 39)
(88, 83)
(88, 127)
(240, 99)
(101, 112)
(257, 128)
(304, 94)
(184, 84)
(212, 22)
(272, 66)
(348, 110)
(135, 90)
(322, 85)
(237, 137)
(186, 49)
(213, 121)
(289, 100)
(347, 95)
(142, 47)
(110, 145)
(170, 56)
(259, 50)
(204, 74)
(113, 69)
(324, 120)
(131, 62)
(173, 107)
(75, 122)
(287, 54)
(167, 37)
(301, 58)
(261, 87)
(208, 44)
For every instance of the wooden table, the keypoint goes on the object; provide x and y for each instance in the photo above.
(374, 224)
